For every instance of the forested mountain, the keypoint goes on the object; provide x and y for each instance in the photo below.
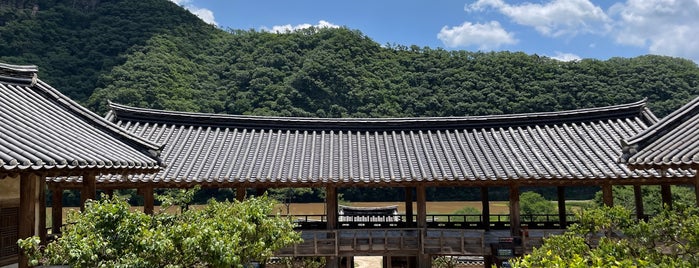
(153, 53)
(343, 73)
(74, 42)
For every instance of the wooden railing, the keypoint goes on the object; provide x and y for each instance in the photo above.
(315, 243)
(397, 241)
(379, 240)
(448, 221)
(453, 242)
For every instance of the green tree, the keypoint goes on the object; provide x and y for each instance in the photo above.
(472, 214)
(608, 237)
(177, 197)
(533, 204)
(288, 195)
(652, 201)
(222, 234)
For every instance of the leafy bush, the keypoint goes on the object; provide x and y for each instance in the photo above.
(608, 237)
(470, 213)
(533, 206)
(222, 234)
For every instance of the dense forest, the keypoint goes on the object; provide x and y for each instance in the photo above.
(155, 54)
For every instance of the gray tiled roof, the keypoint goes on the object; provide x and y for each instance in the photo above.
(41, 129)
(671, 143)
(215, 148)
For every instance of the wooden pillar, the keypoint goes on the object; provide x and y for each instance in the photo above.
(421, 206)
(423, 260)
(696, 188)
(331, 214)
(485, 206)
(331, 207)
(666, 195)
(488, 261)
(485, 211)
(607, 196)
(89, 189)
(148, 199)
(638, 201)
(261, 191)
(42, 209)
(514, 211)
(562, 221)
(240, 193)
(27, 209)
(409, 206)
(56, 210)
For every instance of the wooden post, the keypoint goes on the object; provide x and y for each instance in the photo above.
(696, 187)
(89, 189)
(638, 201)
(666, 195)
(240, 193)
(562, 221)
(56, 209)
(148, 199)
(607, 196)
(423, 260)
(261, 191)
(421, 206)
(409, 206)
(331, 207)
(27, 210)
(514, 211)
(331, 214)
(42, 209)
(485, 204)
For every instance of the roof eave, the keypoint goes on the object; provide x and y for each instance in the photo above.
(124, 112)
(151, 149)
(669, 121)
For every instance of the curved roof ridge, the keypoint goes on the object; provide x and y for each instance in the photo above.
(45, 130)
(153, 148)
(664, 125)
(119, 112)
(24, 75)
(654, 145)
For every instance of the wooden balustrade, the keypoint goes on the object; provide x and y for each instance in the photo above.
(399, 242)
(445, 221)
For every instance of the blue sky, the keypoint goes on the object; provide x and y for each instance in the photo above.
(563, 29)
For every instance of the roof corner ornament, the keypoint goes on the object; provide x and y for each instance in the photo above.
(24, 75)
(156, 154)
(627, 150)
(34, 80)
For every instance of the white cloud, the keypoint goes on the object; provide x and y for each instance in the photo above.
(566, 56)
(204, 14)
(289, 28)
(554, 18)
(666, 27)
(486, 36)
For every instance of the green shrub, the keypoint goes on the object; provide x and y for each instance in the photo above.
(222, 234)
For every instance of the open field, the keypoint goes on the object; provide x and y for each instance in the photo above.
(441, 207)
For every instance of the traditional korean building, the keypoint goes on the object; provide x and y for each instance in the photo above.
(44, 134)
(50, 141)
(669, 145)
(557, 149)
